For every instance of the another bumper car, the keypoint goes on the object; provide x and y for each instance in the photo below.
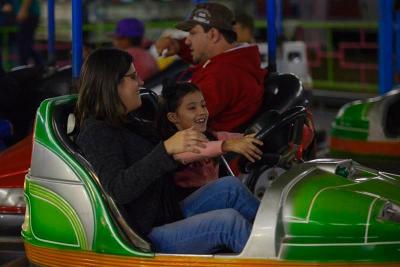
(369, 131)
(15, 159)
(319, 213)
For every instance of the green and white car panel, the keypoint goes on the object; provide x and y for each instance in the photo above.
(369, 130)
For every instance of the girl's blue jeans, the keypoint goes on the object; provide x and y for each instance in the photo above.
(218, 215)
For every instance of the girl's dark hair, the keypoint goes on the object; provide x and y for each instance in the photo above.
(100, 76)
(171, 98)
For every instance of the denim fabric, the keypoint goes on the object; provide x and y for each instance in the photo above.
(218, 215)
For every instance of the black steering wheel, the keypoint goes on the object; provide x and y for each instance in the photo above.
(280, 134)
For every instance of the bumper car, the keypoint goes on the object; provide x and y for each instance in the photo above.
(369, 131)
(15, 159)
(323, 212)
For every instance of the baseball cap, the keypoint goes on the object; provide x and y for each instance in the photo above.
(129, 27)
(209, 14)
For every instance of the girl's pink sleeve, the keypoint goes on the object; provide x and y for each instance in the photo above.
(227, 135)
(212, 149)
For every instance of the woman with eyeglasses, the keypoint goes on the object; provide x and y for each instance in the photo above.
(135, 166)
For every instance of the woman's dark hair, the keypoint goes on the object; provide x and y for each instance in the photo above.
(171, 98)
(100, 76)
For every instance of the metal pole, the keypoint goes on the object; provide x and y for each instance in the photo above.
(77, 37)
(385, 46)
(397, 47)
(279, 18)
(51, 38)
(271, 33)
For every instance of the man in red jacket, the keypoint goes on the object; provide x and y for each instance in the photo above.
(229, 74)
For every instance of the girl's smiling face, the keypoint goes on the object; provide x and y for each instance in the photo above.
(192, 111)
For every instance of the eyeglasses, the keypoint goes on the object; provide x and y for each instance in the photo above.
(133, 76)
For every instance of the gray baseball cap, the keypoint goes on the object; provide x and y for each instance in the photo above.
(209, 14)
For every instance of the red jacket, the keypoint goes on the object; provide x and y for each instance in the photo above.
(232, 84)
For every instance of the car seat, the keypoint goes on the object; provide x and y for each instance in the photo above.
(65, 130)
(391, 116)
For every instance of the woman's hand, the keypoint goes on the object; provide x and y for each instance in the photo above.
(188, 140)
(247, 146)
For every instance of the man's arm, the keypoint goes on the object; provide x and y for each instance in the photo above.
(167, 46)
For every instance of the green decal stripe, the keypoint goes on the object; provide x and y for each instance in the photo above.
(349, 133)
(65, 208)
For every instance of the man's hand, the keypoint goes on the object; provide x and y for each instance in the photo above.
(166, 46)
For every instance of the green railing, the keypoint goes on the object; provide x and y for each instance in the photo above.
(334, 73)
(5, 33)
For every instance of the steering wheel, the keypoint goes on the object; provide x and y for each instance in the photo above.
(280, 134)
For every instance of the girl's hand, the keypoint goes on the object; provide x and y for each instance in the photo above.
(188, 140)
(247, 146)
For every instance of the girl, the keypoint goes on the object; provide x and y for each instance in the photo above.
(183, 107)
(134, 171)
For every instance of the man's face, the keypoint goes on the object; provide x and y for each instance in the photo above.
(198, 42)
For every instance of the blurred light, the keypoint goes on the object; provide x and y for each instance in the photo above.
(12, 200)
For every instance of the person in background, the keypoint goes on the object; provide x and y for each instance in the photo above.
(244, 28)
(182, 107)
(135, 169)
(229, 74)
(128, 36)
(27, 18)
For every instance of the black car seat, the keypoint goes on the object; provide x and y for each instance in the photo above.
(391, 116)
(281, 91)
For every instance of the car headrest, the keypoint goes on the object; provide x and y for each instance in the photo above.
(71, 123)
(283, 91)
(56, 84)
(149, 108)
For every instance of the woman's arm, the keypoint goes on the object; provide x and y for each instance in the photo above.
(105, 150)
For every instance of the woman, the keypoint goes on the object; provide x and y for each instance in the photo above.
(135, 169)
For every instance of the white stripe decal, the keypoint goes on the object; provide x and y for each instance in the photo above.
(341, 244)
(368, 220)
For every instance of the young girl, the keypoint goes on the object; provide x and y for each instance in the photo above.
(183, 107)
